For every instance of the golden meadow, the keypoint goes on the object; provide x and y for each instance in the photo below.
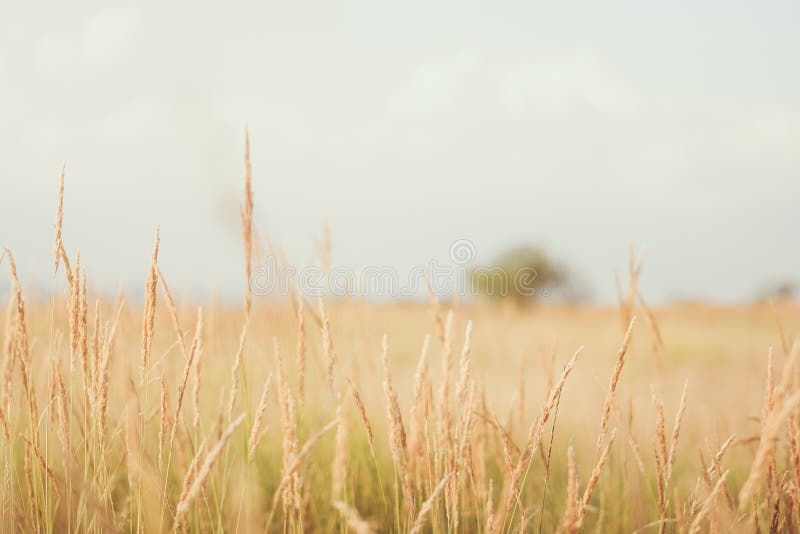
(338, 415)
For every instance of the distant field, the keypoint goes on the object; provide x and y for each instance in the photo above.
(515, 354)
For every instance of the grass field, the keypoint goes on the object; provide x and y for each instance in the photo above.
(330, 415)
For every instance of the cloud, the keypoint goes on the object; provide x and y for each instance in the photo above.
(558, 85)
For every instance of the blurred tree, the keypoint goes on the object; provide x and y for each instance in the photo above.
(522, 274)
(780, 291)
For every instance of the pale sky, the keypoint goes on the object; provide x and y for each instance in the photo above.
(408, 125)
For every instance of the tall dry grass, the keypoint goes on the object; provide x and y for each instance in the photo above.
(117, 418)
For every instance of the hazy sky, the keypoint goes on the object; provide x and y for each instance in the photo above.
(407, 125)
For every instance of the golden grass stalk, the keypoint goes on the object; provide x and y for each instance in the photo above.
(288, 475)
(190, 471)
(794, 456)
(339, 465)
(427, 506)
(205, 470)
(237, 364)
(256, 432)
(104, 373)
(658, 342)
(708, 505)
(490, 507)
(437, 311)
(715, 470)
(197, 349)
(397, 432)
(19, 345)
(51, 476)
(418, 405)
(766, 448)
(354, 520)
(521, 393)
(327, 344)
(570, 523)
(612, 385)
(535, 438)
(141, 480)
(83, 349)
(59, 403)
(676, 429)
(301, 350)
(97, 334)
(9, 332)
(58, 244)
(150, 305)
(162, 429)
(288, 432)
(465, 367)
(362, 414)
(185, 380)
(660, 453)
(593, 478)
(447, 366)
(173, 312)
(247, 223)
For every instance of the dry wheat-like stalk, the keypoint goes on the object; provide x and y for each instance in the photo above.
(19, 344)
(97, 334)
(58, 243)
(612, 385)
(397, 432)
(51, 476)
(507, 446)
(205, 470)
(362, 414)
(162, 429)
(417, 419)
(715, 470)
(490, 507)
(437, 310)
(593, 478)
(184, 381)
(83, 348)
(535, 437)
(660, 453)
(196, 354)
(60, 402)
(8, 350)
(570, 523)
(290, 471)
(150, 306)
(301, 351)
(676, 429)
(190, 471)
(427, 506)
(447, 366)
(339, 465)
(237, 364)
(132, 443)
(766, 448)
(354, 520)
(794, 456)
(173, 312)
(769, 391)
(465, 366)
(708, 505)
(327, 343)
(105, 362)
(288, 431)
(247, 223)
(256, 433)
